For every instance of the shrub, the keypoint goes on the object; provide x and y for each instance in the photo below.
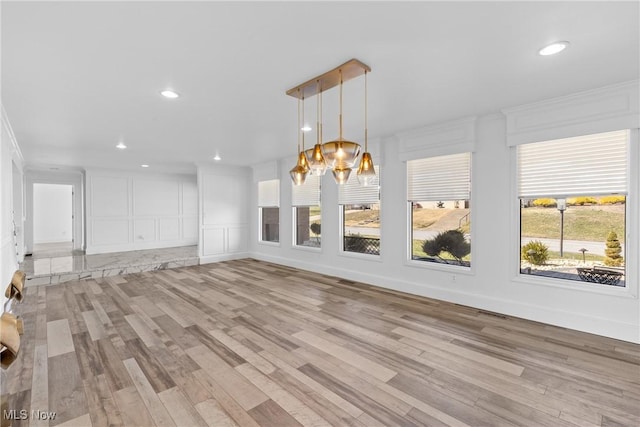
(612, 200)
(451, 241)
(315, 229)
(613, 250)
(545, 203)
(581, 201)
(539, 252)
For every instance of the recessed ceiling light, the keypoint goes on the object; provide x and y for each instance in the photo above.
(553, 48)
(121, 146)
(217, 157)
(144, 166)
(169, 94)
(306, 129)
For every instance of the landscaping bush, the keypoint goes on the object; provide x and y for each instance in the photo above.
(613, 250)
(545, 203)
(539, 257)
(451, 241)
(315, 229)
(581, 201)
(612, 200)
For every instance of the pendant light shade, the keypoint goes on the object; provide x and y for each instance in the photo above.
(341, 153)
(317, 163)
(341, 175)
(298, 175)
(366, 171)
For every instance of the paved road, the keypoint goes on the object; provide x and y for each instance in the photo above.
(594, 248)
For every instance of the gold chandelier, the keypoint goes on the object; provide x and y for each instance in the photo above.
(340, 155)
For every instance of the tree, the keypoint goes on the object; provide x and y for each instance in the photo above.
(315, 229)
(451, 241)
(613, 250)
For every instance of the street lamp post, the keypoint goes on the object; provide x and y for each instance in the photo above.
(562, 206)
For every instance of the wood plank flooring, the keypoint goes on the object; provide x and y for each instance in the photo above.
(248, 343)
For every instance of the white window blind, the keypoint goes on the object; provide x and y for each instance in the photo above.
(307, 194)
(439, 178)
(352, 192)
(585, 165)
(269, 193)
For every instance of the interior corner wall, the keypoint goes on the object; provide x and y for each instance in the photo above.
(131, 211)
(493, 282)
(11, 182)
(224, 212)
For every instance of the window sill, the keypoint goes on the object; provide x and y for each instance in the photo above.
(267, 243)
(358, 255)
(574, 285)
(307, 248)
(458, 269)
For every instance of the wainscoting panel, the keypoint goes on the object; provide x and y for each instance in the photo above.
(109, 231)
(213, 241)
(151, 211)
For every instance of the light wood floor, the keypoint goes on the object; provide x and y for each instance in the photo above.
(251, 343)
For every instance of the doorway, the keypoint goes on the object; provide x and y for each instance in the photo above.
(52, 218)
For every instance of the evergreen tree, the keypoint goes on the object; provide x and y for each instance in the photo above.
(613, 251)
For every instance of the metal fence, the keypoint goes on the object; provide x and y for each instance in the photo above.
(363, 245)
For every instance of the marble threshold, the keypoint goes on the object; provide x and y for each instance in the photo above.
(59, 269)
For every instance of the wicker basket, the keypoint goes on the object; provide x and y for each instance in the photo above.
(600, 275)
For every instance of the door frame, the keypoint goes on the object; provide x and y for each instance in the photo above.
(75, 178)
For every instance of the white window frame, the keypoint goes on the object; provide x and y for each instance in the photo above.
(260, 240)
(260, 208)
(294, 222)
(358, 255)
(449, 268)
(632, 230)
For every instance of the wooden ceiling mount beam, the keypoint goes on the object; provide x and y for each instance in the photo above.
(350, 69)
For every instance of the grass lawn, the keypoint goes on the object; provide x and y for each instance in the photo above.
(591, 223)
(364, 218)
(424, 218)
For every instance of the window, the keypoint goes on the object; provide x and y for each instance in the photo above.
(307, 217)
(269, 210)
(360, 215)
(572, 196)
(439, 192)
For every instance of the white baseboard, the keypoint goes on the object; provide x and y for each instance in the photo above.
(208, 259)
(51, 241)
(577, 321)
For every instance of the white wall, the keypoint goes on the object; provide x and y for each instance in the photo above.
(131, 211)
(224, 212)
(11, 162)
(52, 213)
(493, 283)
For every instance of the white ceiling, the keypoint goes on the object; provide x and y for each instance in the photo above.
(78, 77)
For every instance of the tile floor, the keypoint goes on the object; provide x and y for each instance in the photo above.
(56, 265)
